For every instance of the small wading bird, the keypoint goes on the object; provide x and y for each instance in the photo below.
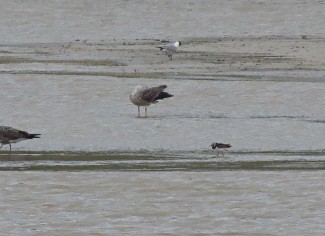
(170, 49)
(10, 135)
(220, 146)
(144, 96)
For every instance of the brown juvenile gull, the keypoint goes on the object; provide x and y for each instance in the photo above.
(222, 146)
(10, 135)
(144, 96)
(170, 48)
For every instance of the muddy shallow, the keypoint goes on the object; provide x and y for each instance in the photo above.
(78, 97)
(249, 73)
(75, 113)
(162, 203)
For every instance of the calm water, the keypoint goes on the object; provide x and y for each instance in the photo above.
(86, 113)
(98, 170)
(61, 20)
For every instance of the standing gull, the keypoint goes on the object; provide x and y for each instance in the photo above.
(220, 146)
(10, 135)
(170, 48)
(144, 96)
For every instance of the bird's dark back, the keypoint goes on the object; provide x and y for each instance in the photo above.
(220, 145)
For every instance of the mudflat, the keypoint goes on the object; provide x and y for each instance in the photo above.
(223, 58)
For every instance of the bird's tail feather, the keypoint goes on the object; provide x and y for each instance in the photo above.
(31, 136)
(163, 95)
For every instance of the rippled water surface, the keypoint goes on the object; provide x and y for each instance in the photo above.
(249, 73)
(53, 21)
(159, 203)
(242, 193)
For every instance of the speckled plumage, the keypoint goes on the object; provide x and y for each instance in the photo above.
(10, 135)
(144, 96)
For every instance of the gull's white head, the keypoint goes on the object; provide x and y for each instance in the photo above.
(177, 43)
(138, 88)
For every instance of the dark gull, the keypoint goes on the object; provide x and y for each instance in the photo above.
(10, 135)
(220, 146)
(144, 96)
(170, 48)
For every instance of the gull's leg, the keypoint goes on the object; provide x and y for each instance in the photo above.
(145, 109)
(138, 111)
(10, 146)
(170, 55)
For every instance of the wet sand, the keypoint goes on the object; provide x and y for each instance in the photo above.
(223, 58)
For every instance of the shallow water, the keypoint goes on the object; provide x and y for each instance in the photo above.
(67, 69)
(60, 21)
(158, 193)
(83, 113)
(159, 203)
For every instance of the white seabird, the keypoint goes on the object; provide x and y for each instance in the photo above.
(144, 96)
(170, 48)
(10, 135)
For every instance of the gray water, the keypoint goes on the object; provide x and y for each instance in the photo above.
(61, 20)
(85, 113)
(162, 203)
(243, 76)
